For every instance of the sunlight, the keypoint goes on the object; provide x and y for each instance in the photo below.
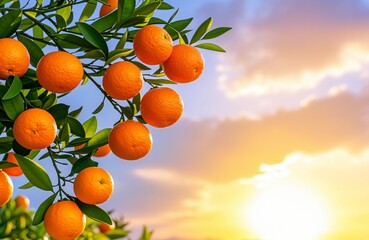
(288, 213)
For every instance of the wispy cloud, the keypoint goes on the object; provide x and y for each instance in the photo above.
(288, 46)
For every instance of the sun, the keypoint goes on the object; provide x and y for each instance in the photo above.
(288, 213)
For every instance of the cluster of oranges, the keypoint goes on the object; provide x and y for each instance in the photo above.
(61, 72)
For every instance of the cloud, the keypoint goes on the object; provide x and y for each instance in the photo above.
(233, 149)
(287, 46)
(213, 210)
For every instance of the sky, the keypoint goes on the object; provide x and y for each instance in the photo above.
(273, 142)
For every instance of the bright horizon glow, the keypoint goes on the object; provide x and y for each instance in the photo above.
(288, 213)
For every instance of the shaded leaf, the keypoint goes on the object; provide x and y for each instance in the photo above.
(34, 50)
(82, 163)
(92, 35)
(94, 212)
(76, 127)
(125, 10)
(9, 23)
(87, 12)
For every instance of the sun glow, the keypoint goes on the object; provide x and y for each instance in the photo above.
(288, 213)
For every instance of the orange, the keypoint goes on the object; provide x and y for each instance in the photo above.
(130, 140)
(100, 152)
(93, 185)
(59, 72)
(6, 188)
(152, 45)
(64, 220)
(161, 107)
(106, 227)
(106, 9)
(13, 171)
(184, 65)
(34, 129)
(122, 80)
(22, 201)
(14, 58)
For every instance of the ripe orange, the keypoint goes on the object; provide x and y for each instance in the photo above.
(22, 201)
(106, 227)
(64, 220)
(152, 45)
(13, 171)
(122, 80)
(100, 152)
(130, 140)
(14, 58)
(105, 9)
(34, 129)
(93, 185)
(59, 72)
(6, 188)
(184, 65)
(161, 107)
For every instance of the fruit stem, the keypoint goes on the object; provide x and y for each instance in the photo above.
(111, 100)
(60, 185)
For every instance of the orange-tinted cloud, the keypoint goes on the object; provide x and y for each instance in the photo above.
(290, 45)
(235, 149)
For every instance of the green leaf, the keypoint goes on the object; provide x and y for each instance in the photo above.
(92, 35)
(6, 144)
(146, 234)
(125, 10)
(75, 41)
(177, 26)
(34, 50)
(106, 22)
(99, 139)
(65, 12)
(14, 89)
(64, 134)
(137, 102)
(76, 127)
(216, 32)
(59, 111)
(94, 212)
(159, 82)
(35, 173)
(210, 46)
(118, 53)
(117, 233)
(201, 30)
(13, 107)
(99, 108)
(122, 41)
(82, 163)
(148, 9)
(5, 164)
(90, 127)
(49, 101)
(40, 213)
(75, 113)
(9, 23)
(87, 12)
(165, 6)
(140, 65)
(26, 186)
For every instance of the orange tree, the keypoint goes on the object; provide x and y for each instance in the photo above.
(49, 48)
